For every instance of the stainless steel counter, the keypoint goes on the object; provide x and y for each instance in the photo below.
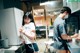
(74, 47)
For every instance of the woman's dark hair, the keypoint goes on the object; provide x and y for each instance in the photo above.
(66, 9)
(29, 15)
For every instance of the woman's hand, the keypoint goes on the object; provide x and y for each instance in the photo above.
(23, 42)
(21, 30)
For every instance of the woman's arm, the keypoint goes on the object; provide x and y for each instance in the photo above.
(31, 33)
(30, 36)
(22, 39)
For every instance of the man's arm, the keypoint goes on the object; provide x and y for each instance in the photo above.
(67, 37)
(64, 34)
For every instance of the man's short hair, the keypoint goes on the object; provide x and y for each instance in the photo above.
(66, 9)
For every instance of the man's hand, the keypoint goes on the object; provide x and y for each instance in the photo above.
(78, 38)
(74, 36)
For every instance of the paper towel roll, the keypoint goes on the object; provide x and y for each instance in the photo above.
(79, 32)
(6, 45)
(73, 40)
(1, 50)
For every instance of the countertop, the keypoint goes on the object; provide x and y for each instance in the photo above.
(74, 47)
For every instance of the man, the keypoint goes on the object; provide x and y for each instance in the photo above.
(60, 35)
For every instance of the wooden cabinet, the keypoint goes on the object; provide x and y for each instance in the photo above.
(39, 15)
(42, 16)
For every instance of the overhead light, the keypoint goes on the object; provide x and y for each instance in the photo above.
(41, 4)
(46, 3)
(56, 13)
(51, 3)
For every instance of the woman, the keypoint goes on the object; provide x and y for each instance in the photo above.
(28, 33)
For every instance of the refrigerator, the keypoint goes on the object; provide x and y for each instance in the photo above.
(10, 22)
